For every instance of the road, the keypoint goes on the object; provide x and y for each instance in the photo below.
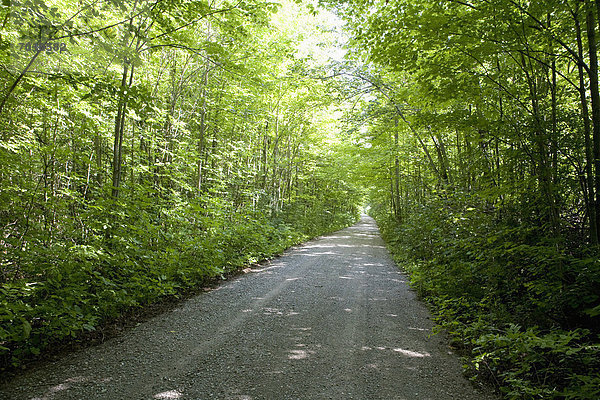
(330, 319)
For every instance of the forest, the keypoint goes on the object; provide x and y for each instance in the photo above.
(149, 147)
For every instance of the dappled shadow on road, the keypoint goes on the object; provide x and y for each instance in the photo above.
(331, 319)
(339, 250)
(307, 248)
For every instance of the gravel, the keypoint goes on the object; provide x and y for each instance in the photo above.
(330, 319)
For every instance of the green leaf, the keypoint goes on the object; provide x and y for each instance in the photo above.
(26, 328)
(593, 312)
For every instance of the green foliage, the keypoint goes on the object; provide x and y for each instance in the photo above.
(532, 364)
(174, 143)
(79, 287)
(485, 281)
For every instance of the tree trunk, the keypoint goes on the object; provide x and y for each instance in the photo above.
(119, 129)
(397, 209)
(589, 200)
(595, 96)
(201, 137)
(555, 213)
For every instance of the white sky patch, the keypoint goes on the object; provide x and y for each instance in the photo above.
(320, 37)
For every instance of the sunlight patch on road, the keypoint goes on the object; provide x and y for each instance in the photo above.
(169, 394)
(324, 253)
(410, 353)
(63, 386)
(299, 354)
(272, 311)
(404, 352)
(328, 246)
(418, 329)
(268, 269)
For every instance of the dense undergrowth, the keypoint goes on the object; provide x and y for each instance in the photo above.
(521, 304)
(132, 258)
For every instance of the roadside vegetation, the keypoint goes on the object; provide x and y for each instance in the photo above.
(168, 144)
(479, 135)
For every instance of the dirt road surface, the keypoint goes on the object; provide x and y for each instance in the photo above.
(330, 319)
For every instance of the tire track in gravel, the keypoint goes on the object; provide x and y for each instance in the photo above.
(330, 319)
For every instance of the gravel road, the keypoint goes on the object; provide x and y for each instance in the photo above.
(330, 319)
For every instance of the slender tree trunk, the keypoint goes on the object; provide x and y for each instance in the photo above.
(275, 164)
(19, 78)
(595, 97)
(589, 200)
(202, 132)
(554, 137)
(501, 122)
(397, 209)
(459, 178)
(118, 133)
(128, 69)
(469, 152)
(393, 209)
(443, 173)
(442, 157)
(540, 137)
(264, 161)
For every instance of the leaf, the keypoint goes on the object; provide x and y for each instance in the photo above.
(26, 328)
(593, 312)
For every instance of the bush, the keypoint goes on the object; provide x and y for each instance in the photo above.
(522, 307)
(134, 257)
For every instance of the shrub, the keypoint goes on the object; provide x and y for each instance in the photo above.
(522, 307)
